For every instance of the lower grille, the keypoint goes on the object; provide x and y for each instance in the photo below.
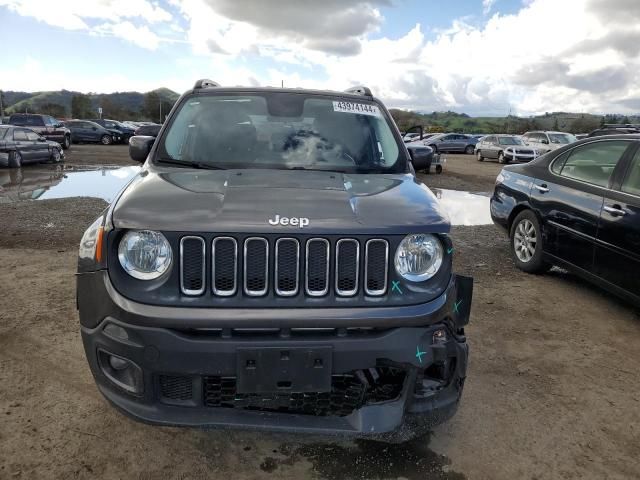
(349, 392)
(176, 387)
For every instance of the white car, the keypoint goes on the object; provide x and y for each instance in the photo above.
(544, 142)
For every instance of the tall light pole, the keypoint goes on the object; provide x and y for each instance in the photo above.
(1, 106)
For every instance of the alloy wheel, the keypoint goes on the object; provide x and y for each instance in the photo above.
(525, 240)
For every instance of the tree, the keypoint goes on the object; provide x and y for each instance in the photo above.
(53, 109)
(81, 106)
(584, 124)
(556, 127)
(2, 104)
(151, 107)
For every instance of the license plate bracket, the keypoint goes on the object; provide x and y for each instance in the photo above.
(284, 369)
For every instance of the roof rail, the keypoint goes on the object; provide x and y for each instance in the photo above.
(205, 83)
(360, 90)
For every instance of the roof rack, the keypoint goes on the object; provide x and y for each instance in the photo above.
(205, 83)
(360, 90)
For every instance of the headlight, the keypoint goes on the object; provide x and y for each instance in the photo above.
(419, 257)
(145, 254)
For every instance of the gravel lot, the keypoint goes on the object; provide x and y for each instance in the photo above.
(553, 389)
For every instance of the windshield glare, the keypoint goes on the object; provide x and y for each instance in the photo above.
(560, 138)
(509, 141)
(282, 130)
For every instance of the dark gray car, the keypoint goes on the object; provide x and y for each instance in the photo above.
(19, 146)
(452, 142)
(276, 265)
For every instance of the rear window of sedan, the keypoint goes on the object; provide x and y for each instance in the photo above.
(3, 132)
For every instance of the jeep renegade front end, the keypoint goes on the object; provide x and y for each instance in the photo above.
(276, 265)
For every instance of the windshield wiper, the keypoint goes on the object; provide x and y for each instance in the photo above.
(202, 165)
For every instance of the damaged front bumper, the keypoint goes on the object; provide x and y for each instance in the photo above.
(361, 371)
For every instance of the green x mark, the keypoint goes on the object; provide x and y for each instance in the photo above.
(395, 286)
(456, 305)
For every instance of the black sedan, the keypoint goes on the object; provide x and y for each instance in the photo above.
(19, 146)
(577, 207)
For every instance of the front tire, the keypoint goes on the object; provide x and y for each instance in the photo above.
(479, 156)
(106, 140)
(501, 158)
(527, 243)
(66, 143)
(434, 148)
(469, 149)
(56, 156)
(15, 160)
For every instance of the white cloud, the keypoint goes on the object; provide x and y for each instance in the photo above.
(141, 36)
(487, 5)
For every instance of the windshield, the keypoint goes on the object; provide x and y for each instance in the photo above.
(509, 141)
(561, 138)
(3, 132)
(283, 131)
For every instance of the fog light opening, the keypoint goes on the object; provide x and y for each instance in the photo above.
(122, 372)
(116, 332)
(440, 336)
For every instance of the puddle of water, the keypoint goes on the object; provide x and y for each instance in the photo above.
(57, 181)
(465, 208)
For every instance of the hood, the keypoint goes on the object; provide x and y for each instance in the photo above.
(113, 131)
(53, 144)
(246, 200)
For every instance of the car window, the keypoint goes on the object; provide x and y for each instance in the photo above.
(631, 183)
(594, 162)
(50, 121)
(20, 135)
(490, 140)
(508, 141)
(3, 132)
(283, 131)
(109, 124)
(32, 136)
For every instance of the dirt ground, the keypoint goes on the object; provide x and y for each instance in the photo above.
(553, 390)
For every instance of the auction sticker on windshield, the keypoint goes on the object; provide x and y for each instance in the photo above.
(360, 108)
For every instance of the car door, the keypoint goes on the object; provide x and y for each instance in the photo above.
(40, 147)
(447, 143)
(617, 257)
(569, 197)
(491, 147)
(23, 145)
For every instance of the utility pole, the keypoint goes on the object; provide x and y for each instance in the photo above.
(1, 106)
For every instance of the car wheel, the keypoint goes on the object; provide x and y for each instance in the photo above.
(56, 156)
(434, 148)
(15, 160)
(527, 243)
(106, 140)
(479, 156)
(501, 158)
(438, 168)
(67, 142)
(469, 149)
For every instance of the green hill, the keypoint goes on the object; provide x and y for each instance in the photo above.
(463, 123)
(120, 105)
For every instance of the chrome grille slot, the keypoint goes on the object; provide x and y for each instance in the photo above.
(347, 267)
(256, 266)
(224, 265)
(317, 267)
(287, 267)
(376, 267)
(192, 271)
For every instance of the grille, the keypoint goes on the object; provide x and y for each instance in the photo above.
(225, 266)
(349, 392)
(256, 266)
(376, 266)
(192, 274)
(317, 264)
(284, 267)
(347, 264)
(287, 266)
(176, 388)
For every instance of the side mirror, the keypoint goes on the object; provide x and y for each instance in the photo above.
(58, 125)
(545, 141)
(42, 139)
(140, 146)
(421, 158)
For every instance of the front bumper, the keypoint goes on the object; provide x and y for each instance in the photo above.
(519, 157)
(177, 358)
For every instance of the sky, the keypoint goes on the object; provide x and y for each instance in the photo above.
(481, 57)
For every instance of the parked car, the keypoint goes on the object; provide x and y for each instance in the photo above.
(19, 146)
(44, 125)
(276, 265)
(577, 207)
(125, 131)
(17, 184)
(544, 142)
(452, 142)
(505, 148)
(613, 131)
(88, 131)
(151, 130)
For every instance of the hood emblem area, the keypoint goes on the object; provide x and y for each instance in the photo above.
(299, 222)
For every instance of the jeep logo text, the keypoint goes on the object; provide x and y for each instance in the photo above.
(295, 221)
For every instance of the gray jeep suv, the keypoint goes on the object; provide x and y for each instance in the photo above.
(276, 265)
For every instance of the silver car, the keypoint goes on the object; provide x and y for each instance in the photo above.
(452, 142)
(544, 142)
(506, 148)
